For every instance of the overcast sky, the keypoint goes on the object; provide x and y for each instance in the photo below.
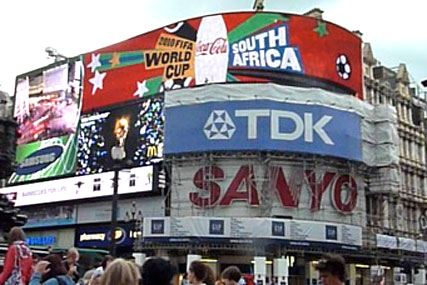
(396, 29)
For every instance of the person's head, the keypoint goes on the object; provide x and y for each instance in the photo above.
(120, 272)
(331, 269)
(15, 234)
(231, 275)
(56, 267)
(106, 261)
(197, 272)
(87, 276)
(157, 271)
(72, 255)
(210, 277)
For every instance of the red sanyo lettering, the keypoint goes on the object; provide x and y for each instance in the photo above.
(204, 180)
(216, 47)
(318, 187)
(243, 187)
(245, 177)
(343, 182)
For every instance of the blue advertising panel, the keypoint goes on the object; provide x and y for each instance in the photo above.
(263, 125)
(100, 236)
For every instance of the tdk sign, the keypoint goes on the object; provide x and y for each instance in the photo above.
(263, 125)
(220, 126)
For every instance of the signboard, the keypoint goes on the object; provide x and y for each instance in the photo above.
(250, 230)
(41, 240)
(100, 236)
(134, 180)
(235, 47)
(233, 188)
(265, 125)
(47, 108)
(138, 127)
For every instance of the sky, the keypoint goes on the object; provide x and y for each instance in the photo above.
(397, 30)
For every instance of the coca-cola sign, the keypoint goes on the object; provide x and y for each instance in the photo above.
(218, 46)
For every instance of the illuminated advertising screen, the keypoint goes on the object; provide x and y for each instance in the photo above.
(134, 180)
(136, 126)
(47, 108)
(235, 47)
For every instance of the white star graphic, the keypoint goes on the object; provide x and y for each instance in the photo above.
(97, 81)
(94, 63)
(141, 89)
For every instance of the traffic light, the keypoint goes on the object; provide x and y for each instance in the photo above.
(9, 215)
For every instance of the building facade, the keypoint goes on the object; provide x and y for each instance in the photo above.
(276, 138)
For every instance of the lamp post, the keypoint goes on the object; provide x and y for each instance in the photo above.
(136, 218)
(52, 52)
(117, 153)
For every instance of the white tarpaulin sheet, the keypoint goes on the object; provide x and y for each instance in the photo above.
(384, 241)
(252, 228)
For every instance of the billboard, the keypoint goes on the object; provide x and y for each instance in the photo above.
(133, 180)
(297, 233)
(235, 47)
(263, 124)
(47, 108)
(250, 188)
(136, 126)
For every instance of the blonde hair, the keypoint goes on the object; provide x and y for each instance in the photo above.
(121, 272)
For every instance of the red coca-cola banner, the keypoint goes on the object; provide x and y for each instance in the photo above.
(235, 47)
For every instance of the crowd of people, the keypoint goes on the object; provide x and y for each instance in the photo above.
(20, 267)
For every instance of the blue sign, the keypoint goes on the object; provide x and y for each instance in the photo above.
(43, 240)
(39, 159)
(278, 229)
(101, 236)
(158, 226)
(331, 232)
(216, 227)
(263, 125)
(269, 49)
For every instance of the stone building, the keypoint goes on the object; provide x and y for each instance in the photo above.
(397, 194)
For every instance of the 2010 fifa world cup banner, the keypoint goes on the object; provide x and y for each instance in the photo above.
(281, 48)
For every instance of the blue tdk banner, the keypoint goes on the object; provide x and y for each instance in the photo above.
(263, 125)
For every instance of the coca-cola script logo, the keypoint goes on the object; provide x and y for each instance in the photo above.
(218, 46)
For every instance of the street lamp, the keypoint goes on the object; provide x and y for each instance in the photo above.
(52, 52)
(117, 154)
(136, 218)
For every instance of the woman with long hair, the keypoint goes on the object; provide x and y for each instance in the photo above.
(51, 271)
(18, 263)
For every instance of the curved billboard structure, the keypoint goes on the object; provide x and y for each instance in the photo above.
(235, 47)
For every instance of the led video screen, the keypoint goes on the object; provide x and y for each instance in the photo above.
(137, 127)
(47, 109)
(285, 49)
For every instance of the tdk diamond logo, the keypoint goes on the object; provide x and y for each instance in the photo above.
(219, 126)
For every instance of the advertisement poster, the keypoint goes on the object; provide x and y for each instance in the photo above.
(133, 180)
(246, 231)
(137, 126)
(235, 47)
(267, 125)
(47, 108)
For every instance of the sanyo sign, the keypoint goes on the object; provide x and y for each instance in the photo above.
(263, 125)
